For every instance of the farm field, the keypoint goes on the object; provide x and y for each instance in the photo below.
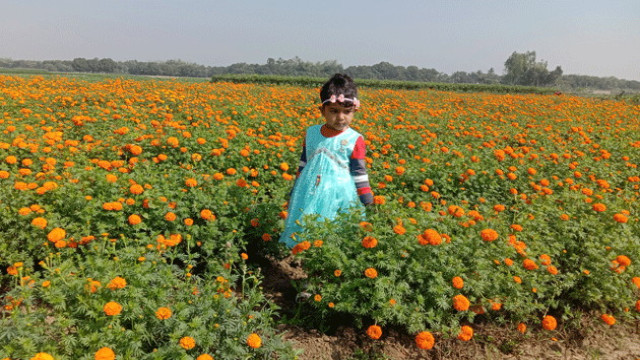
(136, 217)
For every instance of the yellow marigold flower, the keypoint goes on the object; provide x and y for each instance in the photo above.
(254, 341)
(187, 343)
(105, 353)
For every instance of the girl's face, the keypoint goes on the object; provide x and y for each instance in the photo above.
(337, 116)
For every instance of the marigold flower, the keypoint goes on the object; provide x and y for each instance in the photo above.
(374, 332)
(636, 281)
(379, 200)
(134, 219)
(369, 242)
(457, 282)
(522, 328)
(337, 273)
(621, 218)
(623, 260)
(425, 340)
(42, 356)
(399, 229)
(56, 234)
(136, 189)
(552, 270)
(105, 353)
(39, 222)
(599, 207)
(254, 341)
(529, 264)
(371, 273)
(112, 308)
(204, 357)
(187, 343)
(489, 234)
(300, 247)
(461, 303)
(638, 305)
(191, 182)
(117, 283)
(549, 323)
(430, 237)
(206, 214)
(466, 333)
(608, 319)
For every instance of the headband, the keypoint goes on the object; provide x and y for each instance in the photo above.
(342, 99)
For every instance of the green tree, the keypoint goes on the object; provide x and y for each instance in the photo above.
(522, 69)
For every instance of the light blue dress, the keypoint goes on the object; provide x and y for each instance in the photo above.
(325, 186)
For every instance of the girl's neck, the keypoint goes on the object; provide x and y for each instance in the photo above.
(326, 131)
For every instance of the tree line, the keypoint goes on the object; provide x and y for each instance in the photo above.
(520, 69)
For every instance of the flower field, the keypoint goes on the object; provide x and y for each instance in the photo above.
(131, 213)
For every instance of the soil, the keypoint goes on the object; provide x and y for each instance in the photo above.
(593, 340)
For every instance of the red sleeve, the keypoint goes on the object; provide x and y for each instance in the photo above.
(360, 149)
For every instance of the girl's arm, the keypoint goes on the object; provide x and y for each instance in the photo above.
(358, 169)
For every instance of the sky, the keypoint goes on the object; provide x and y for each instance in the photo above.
(585, 37)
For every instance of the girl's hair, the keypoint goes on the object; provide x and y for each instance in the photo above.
(339, 84)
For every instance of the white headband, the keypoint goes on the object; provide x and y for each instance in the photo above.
(341, 99)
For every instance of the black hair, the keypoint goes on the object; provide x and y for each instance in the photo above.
(339, 84)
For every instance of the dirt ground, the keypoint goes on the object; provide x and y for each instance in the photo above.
(594, 340)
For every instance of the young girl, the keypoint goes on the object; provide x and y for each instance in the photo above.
(332, 175)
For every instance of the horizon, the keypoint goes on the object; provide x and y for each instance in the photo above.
(582, 37)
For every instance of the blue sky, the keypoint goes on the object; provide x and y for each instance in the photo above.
(599, 38)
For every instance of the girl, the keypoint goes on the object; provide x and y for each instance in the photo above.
(332, 175)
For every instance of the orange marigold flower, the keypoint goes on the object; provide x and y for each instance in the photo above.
(620, 218)
(457, 282)
(39, 222)
(117, 283)
(163, 313)
(552, 270)
(369, 242)
(608, 319)
(337, 273)
(517, 279)
(191, 182)
(136, 189)
(489, 234)
(623, 260)
(529, 264)
(187, 343)
(379, 200)
(206, 214)
(254, 341)
(522, 328)
(636, 281)
(461, 303)
(42, 356)
(371, 273)
(112, 308)
(599, 207)
(204, 357)
(638, 305)
(425, 340)
(170, 216)
(374, 332)
(466, 333)
(300, 247)
(549, 323)
(399, 229)
(430, 237)
(134, 219)
(105, 353)
(56, 234)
